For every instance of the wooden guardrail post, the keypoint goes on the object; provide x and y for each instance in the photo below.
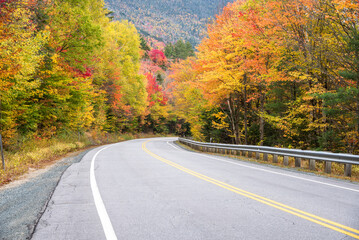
(298, 162)
(285, 160)
(328, 167)
(2, 153)
(312, 164)
(257, 155)
(348, 170)
(265, 157)
(275, 158)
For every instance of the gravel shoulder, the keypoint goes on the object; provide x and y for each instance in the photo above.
(23, 202)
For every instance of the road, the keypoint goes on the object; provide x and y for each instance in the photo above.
(154, 189)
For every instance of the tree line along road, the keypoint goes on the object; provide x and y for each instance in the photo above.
(154, 189)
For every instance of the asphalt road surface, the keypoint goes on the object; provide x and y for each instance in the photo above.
(154, 189)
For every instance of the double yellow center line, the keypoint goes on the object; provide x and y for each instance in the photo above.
(299, 213)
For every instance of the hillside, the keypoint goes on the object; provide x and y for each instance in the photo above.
(168, 20)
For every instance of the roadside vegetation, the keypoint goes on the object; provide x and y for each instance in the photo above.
(276, 73)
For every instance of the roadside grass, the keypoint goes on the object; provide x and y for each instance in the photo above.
(337, 169)
(36, 154)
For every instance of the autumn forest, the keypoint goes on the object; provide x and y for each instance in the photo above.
(267, 72)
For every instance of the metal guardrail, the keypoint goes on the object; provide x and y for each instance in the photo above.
(328, 157)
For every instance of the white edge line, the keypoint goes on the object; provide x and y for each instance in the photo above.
(100, 206)
(173, 145)
(265, 170)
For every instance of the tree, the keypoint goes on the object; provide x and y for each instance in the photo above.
(187, 96)
(116, 73)
(20, 56)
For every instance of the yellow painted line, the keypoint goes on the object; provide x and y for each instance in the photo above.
(299, 213)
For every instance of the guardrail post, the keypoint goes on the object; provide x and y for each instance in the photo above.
(312, 164)
(250, 154)
(2, 153)
(265, 157)
(328, 167)
(285, 160)
(257, 155)
(275, 158)
(347, 170)
(298, 162)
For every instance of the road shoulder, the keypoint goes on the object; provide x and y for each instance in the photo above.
(23, 202)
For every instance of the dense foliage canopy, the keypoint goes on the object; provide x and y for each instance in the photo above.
(269, 72)
(66, 67)
(276, 72)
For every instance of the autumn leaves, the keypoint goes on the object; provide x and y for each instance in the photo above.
(275, 73)
(65, 67)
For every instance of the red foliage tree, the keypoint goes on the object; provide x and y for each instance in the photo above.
(155, 92)
(158, 57)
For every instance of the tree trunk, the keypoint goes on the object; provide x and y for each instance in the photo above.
(245, 110)
(261, 119)
(234, 120)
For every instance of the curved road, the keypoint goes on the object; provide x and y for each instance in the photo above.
(154, 189)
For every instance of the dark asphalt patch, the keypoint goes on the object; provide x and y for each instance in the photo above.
(22, 206)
